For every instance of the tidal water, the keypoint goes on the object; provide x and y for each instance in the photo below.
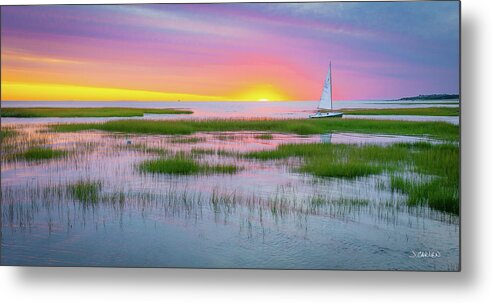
(267, 215)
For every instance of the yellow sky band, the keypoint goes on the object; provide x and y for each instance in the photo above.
(19, 91)
(14, 91)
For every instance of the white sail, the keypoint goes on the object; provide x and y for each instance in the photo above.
(325, 101)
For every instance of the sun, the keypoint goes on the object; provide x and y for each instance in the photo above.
(261, 93)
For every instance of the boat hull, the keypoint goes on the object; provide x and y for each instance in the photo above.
(326, 115)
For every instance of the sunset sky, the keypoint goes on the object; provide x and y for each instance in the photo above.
(207, 52)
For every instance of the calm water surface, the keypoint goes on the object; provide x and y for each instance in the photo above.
(264, 216)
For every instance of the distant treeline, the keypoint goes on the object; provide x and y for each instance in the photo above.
(431, 97)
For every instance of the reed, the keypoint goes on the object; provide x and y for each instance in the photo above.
(214, 151)
(184, 165)
(6, 133)
(322, 168)
(190, 140)
(40, 153)
(85, 191)
(264, 137)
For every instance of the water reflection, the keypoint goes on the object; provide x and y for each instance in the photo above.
(325, 138)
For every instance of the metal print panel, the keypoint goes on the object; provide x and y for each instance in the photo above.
(235, 135)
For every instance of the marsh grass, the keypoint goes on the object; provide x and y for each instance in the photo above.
(67, 112)
(146, 149)
(190, 140)
(322, 168)
(336, 160)
(439, 193)
(175, 202)
(7, 140)
(182, 164)
(424, 111)
(318, 201)
(442, 192)
(6, 133)
(350, 161)
(212, 151)
(439, 130)
(343, 153)
(85, 191)
(264, 137)
(19, 144)
(40, 153)
(229, 137)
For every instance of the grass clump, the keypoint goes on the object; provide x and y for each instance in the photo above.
(40, 153)
(439, 130)
(85, 191)
(7, 133)
(440, 193)
(317, 201)
(183, 165)
(174, 166)
(424, 111)
(71, 112)
(321, 168)
(264, 137)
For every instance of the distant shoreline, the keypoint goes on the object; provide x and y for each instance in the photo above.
(430, 97)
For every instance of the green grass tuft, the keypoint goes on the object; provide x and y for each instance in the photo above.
(40, 153)
(440, 193)
(442, 162)
(321, 168)
(85, 191)
(7, 133)
(317, 201)
(183, 165)
(264, 137)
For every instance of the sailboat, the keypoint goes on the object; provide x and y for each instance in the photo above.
(325, 106)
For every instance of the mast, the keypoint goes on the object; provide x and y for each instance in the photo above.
(331, 89)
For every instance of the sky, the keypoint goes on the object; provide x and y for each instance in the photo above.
(232, 52)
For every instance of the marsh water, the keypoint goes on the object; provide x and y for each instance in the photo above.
(267, 215)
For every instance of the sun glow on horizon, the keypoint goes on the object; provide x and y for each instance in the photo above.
(262, 93)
